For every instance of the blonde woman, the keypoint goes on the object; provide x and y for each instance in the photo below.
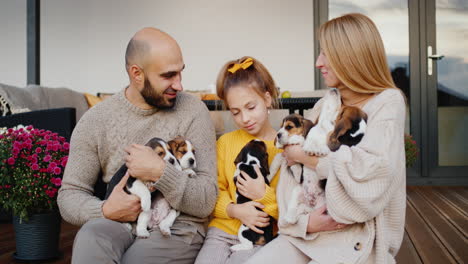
(363, 221)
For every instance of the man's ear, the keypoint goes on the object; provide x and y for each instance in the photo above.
(136, 73)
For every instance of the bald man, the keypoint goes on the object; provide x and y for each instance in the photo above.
(112, 132)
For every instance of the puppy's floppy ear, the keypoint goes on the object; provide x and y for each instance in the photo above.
(342, 125)
(154, 142)
(240, 156)
(264, 159)
(173, 145)
(306, 125)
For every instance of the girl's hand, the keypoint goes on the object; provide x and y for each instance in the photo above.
(295, 154)
(248, 214)
(319, 221)
(253, 189)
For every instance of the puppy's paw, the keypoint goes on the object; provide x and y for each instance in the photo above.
(282, 222)
(316, 148)
(128, 226)
(142, 233)
(191, 173)
(290, 218)
(239, 247)
(165, 229)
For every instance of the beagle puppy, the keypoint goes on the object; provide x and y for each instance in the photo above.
(349, 129)
(253, 153)
(140, 188)
(293, 131)
(162, 214)
(335, 126)
(184, 152)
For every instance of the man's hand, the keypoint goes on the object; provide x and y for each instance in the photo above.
(120, 206)
(143, 163)
(253, 189)
(248, 214)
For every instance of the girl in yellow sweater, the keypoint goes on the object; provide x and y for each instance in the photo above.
(249, 92)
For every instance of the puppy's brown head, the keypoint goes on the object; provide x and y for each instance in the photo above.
(162, 149)
(183, 151)
(293, 125)
(349, 129)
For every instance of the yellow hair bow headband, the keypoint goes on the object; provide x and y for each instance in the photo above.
(244, 65)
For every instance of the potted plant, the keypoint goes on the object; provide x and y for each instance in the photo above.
(411, 150)
(31, 173)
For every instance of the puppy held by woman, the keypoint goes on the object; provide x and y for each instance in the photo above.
(363, 219)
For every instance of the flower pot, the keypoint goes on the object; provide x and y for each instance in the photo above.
(37, 238)
(5, 216)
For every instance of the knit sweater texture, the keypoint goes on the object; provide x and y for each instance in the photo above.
(97, 150)
(366, 188)
(228, 147)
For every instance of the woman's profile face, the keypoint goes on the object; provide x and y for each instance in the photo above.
(248, 109)
(327, 72)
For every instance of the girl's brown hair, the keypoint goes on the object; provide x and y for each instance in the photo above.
(356, 53)
(255, 76)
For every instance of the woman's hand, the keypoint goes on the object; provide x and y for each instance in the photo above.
(295, 154)
(320, 221)
(253, 189)
(248, 214)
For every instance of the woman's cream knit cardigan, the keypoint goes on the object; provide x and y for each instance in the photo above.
(366, 188)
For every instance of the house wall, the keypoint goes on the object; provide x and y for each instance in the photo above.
(13, 42)
(83, 42)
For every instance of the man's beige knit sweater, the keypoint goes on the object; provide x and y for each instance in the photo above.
(97, 150)
(365, 188)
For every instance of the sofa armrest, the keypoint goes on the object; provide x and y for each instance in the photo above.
(59, 120)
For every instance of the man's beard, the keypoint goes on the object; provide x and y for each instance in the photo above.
(153, 98)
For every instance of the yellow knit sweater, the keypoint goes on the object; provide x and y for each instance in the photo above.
(228, 146)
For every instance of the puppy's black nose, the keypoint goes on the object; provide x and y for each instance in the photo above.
(278, 135)
(191, 161)
(171, 161)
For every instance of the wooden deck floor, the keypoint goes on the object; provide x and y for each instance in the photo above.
(436, 229)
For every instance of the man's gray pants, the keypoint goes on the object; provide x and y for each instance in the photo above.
(107, 241)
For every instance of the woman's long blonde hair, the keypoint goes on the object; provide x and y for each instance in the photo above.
(356, 53)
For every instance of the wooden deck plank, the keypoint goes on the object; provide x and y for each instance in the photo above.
(438, 216)
(429, 247)
(434, 214)
(447, 208)
(455, 196)
(408, 253)
(462, 190)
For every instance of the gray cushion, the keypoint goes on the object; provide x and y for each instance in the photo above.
(34, 97)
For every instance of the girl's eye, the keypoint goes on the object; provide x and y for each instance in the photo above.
(251, 107)
(234, 113)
